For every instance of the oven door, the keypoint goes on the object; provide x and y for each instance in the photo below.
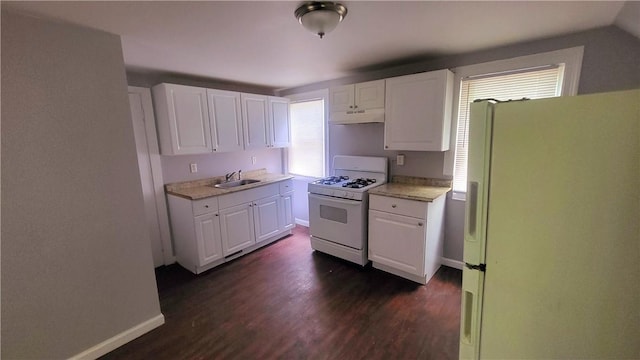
(337, 220)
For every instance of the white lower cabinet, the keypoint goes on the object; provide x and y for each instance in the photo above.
(286, 208)
(405, 236)
(404, 251)
(236, 227)
(210, 231)
(266, 217)
(208, 238)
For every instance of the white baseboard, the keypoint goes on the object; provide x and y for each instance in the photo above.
(453, 263)
(302, 222)
(120, 339)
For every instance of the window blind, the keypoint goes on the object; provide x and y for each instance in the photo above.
(533, 83)
(306, 153)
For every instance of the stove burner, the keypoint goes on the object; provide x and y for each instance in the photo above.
(359, 183)
(332, 180)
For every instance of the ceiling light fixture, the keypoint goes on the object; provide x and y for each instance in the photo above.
(320, 17)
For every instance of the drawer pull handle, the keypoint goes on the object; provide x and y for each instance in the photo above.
(393, 206)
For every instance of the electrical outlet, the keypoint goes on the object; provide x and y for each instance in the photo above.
(400, 159)
(193, 167)
(254, 160)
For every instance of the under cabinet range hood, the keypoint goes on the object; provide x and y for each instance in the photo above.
(357, 117)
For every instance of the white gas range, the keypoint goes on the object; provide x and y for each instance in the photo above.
(338, 206)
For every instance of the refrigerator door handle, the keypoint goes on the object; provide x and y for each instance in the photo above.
(472, 208)
(470, 317)
(480, 267)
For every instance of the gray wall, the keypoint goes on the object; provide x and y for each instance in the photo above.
(176, 168)
(610, 62)
(76, 258)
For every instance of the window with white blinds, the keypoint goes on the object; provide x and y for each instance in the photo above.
(306, 153)
(534, 83)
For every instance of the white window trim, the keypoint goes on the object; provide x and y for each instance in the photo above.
(571, 58)
(309, 96)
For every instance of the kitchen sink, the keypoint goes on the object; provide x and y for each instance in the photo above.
(232, 184)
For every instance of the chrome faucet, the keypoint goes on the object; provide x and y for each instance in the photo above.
(228, 176)
(239, 174)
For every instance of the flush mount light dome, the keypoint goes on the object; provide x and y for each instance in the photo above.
(320, 17)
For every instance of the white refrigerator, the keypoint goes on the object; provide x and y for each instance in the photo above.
(552, 229)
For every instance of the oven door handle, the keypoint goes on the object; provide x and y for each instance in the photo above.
(333, 199)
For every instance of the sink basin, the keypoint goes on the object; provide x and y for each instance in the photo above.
(232, 184)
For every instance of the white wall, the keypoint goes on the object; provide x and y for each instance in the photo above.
(76, 259)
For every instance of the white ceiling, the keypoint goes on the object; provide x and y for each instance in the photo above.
(261, 43)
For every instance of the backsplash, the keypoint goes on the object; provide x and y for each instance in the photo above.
(177, 168)
(368, 140)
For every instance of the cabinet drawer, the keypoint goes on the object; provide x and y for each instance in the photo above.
(286, 186)
(204, 206)
(245, 196)
(416, 209)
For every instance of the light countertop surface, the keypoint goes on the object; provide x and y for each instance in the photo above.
(200, 189)
(413, 188)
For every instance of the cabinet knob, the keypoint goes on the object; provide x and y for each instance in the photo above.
(393, 206)
(217, 215)
(355, 106)
(386, 146)
(350, 106)
(207, 206)
(419, 224)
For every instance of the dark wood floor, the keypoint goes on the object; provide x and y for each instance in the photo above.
(286, 301)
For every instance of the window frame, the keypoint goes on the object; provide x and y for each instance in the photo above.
(322, 94)
(570, 57)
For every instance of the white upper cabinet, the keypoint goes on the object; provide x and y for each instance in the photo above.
(255, 120)
(183, 120)
(369, 95)
(279, 121)
(341, 98)
(266, 121)
(194, 120)
(418, 111)
(357, 103)
(225, 117)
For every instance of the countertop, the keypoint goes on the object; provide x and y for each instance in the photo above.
(413, 188)
(200, 189)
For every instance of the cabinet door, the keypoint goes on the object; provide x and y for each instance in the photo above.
(279, 121)
(208, 238)
(226, 120)
(236, 228)
(341, 98)
(418, 111)
(183, 119)
(286, 208)
(266, 217)
(255, 121)
(369, 95)
(397, 241)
